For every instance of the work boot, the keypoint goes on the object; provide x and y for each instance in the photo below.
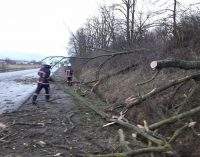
(47, 97)
(34, 103)
(34, 99)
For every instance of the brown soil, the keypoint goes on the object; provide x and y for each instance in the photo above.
(61, 127)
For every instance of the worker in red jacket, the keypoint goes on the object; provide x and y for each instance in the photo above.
(69, 75)
(43, 82)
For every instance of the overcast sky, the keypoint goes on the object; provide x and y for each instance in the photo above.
(36, 28)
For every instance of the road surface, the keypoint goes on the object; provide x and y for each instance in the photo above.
(15, 88)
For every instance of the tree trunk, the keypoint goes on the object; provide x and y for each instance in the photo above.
(127, 22)
(174, 20)
(175, 63)
(133, 20)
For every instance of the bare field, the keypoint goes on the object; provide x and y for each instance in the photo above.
(15, 67)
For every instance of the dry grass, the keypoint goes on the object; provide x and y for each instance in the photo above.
(116, 89)
(21, 66)
(14, 67)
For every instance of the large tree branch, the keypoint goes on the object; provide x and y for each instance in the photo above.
(175, 118)
(101, 66)
(177, 133)
(111, 54)
(131, 101)
(142, 132)
(181, 105)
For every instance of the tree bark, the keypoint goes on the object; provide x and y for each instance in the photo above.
(174, 21)
(127, 4)
(175, 63)
(133, 20)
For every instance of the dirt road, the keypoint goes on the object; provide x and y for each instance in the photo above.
(62, 127)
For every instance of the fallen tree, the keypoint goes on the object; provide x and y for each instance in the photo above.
(111, 53)
(156, 142)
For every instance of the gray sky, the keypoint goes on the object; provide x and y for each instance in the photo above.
(36, 28)
(40, 27)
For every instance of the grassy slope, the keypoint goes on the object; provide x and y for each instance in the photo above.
(116, 89)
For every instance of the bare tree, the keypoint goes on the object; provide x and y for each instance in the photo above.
(133, 20)
(175, 21)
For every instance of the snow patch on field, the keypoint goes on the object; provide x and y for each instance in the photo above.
(16, 87)
(13, 93)
(23, 74)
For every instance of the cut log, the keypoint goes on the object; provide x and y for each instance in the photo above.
(175, 63)
(154, 64)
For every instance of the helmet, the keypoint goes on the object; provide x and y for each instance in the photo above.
(46, 66)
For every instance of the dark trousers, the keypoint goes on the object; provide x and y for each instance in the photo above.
(39, 88)
(69, 81)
